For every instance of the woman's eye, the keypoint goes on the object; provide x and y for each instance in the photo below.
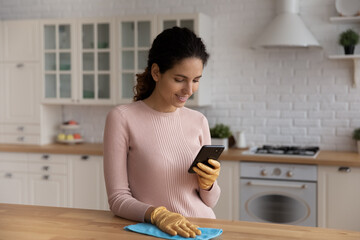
(178, 80)
(196, 80)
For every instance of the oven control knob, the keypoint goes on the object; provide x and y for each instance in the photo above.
(263, 172)
(289, 174)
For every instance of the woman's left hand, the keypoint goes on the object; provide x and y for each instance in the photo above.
(207, 175)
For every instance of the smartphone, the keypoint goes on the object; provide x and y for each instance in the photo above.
(207, 152)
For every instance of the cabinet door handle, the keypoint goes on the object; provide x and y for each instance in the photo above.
(45, 157)
(20, 139)
(8, 175)
(20, 128)
(46, 177)
(46, 168)
(345, 169)
(19, 65)
(85, 157)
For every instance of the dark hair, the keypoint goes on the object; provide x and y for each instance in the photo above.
(169, 48)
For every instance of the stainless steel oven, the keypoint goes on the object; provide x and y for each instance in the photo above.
(278, 193)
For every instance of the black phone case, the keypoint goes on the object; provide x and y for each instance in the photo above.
(207, 152)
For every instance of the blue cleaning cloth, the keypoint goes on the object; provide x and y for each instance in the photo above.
(152, 230)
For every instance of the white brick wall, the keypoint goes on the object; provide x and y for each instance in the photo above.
(278, 96)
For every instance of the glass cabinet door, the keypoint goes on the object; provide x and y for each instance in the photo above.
(96, 61)
(135, 41)
(57, 67)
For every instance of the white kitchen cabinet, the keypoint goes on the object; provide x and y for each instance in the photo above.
(229, 182)
(21, 95)
(48, 190)
(339, 197)
(134, 39)
(96, 58)
(87, 184)
(13, 178)
(21, 105)
(21, 38)
(20, 83)
(13, 187)
(201, 25)
(48, 180)
(78, 61)
(59, 61)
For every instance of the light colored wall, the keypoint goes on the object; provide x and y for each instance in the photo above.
(277, 96)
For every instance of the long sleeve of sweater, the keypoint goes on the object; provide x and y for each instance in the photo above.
(146, 158)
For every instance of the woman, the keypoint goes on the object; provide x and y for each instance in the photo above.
(150, 143)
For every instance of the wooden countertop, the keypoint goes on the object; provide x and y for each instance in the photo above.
(84, 148)
(323, 158)
(24, 222)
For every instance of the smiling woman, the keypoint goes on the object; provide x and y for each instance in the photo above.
(150, 144)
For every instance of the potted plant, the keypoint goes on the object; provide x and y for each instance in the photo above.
(348, 40)
(356, 136)
(220, 134)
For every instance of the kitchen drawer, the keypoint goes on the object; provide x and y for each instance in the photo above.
(20, 139)
(47, 158)
(47, 168)
(20, 129)
(10, 156)
(13, 166)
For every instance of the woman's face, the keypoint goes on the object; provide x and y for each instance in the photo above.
(176, 85)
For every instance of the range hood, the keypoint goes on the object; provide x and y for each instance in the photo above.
(287, 29)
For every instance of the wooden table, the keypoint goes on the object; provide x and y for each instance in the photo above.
(24, 222)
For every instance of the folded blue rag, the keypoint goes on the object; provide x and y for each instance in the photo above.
(152, 230)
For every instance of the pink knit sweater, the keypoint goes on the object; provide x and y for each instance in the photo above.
(146, 158)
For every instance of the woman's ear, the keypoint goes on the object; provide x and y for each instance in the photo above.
(155, 72)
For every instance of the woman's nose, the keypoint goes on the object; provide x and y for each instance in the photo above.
(188, 89)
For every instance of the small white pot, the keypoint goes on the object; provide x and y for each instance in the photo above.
(358, 146)
(220, 141)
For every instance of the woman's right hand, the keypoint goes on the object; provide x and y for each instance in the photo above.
(173, 223)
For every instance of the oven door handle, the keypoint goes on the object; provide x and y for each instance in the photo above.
(267, 184)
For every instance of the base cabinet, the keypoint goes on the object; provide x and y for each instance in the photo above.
(88, 185)
(228, 180)
(14, 185)
(13, 178)
(48, 190)
(59, 180)
(339, 197)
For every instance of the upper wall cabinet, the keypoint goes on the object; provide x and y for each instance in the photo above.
(78, 61)
(58, 62)
(134, 38)
(21, 41)
(95, 61)
(201, 25)
(96, 49)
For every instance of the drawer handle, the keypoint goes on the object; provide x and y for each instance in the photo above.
(19, 65)
(20, 128)
(8, 175)
(46, 157)
(345, 169)
(21, 139)
(85, 157)
(46, 177)
(46, 168)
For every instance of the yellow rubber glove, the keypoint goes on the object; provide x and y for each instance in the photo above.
(207, 175)
(173, 223)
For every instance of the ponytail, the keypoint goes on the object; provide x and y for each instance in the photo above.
(145, 85)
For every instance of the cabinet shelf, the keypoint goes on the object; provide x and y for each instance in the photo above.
(356, 62)
(355, 19)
